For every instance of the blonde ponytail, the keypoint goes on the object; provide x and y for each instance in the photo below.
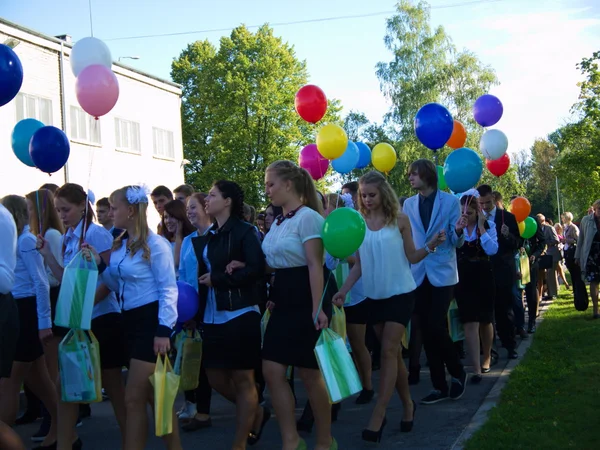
(302, 183)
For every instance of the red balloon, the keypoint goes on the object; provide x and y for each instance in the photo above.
(498, 166)
(311, 103)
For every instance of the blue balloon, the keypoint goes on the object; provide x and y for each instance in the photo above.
(462, 170)
(364, 155)
(433, 125)
(347, 162)
(21, 135)
(11, 74)
(49, 149)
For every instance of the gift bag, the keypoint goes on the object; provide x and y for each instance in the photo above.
(341, 273)
(263, 325)
(406, 337)
(455, 327)
(77, 293)
(524, 268)
(165, 383)
(338, 322)
(80, 373)
(337, 367)
(189, 360)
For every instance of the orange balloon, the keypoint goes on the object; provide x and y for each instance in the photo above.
(521, 208)
(458, 137)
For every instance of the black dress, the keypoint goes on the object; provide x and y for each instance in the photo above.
(592, 266)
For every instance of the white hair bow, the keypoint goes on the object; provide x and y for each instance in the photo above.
(137, 194)
(347, 198)
(470, 193)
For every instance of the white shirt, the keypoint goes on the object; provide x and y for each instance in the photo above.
(31, 279)
(8, 250)
(99, 238)
(283, 245)
(488, 240)
(54, 239)
(491, 216)
(140, 281)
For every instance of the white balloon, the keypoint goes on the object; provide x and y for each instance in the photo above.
(89, 51)
(493, 144)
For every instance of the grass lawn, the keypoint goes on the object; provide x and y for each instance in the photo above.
(552, 400)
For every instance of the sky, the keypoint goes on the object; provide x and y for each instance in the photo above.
(533, 45)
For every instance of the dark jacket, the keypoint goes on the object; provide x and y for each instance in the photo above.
(236, 240)
(536, 245)
(503, 262)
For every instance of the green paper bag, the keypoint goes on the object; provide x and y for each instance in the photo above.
(338, 322)
(263, 326)
(80, 372)
(189, 360)
(455, 327)
(165, 383)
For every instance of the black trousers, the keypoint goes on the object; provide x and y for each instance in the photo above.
(202, 395)
(432, 309)
(576, 280)
(531, 293)
(505, 317)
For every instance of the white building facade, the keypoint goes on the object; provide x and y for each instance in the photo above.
(139, 141)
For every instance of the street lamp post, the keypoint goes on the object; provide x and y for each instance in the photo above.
(557, 200)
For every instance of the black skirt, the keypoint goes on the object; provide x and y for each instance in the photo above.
(57, 331)
(29, 346)
(234, 345)
(357, 314)
(474, 292)
(140, 326)
(291, 336)
(9, 333)
(398, 309)
(110, 333)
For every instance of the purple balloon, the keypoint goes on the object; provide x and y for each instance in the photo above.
(314, 163)
(187, 302)
(487, 110)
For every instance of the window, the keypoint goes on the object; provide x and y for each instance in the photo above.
(33, 107)
(163, 143)
(127, 134)
(84, 127)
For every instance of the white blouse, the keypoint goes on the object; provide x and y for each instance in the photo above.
(8, 250)
(489, 240)
(101, 239)
(140, 281)
(54, 239)
(283, 245)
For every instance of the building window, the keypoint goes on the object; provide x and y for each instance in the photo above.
(163, 143)
(84, 128)
(127, 134)
(33, 107)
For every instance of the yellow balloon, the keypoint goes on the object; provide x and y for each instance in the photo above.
(521, 227)
(332, 141)
(383, 157)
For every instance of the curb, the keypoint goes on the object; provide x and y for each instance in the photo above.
(481, 415)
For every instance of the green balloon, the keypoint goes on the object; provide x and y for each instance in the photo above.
(343, 232)
(441, 180)
(530, 228)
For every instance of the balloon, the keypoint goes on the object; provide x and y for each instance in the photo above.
(433, 125)
(187, 302)
(441, 180)
(462, 169)
(383, 157)
(498, 166)
(311, 160)
(521, 228)
(364, 158)
(458, 137)
(21, 135)
(493, 144)
(311, 103)
(521, 208)
(530, 228)
(11, 74)
(487, 110)
(97, 90)
(89, 51)
(49, 149)
(343, 232)
(347, 162)
(332, 141)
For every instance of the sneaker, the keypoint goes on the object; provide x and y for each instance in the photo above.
(41, 434)
(104, 395)
(434, 397)
(79, 422)
(458, 386)
(188, 412)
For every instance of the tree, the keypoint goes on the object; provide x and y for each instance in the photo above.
(238, 108)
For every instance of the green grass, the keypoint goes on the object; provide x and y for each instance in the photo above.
(552, 399)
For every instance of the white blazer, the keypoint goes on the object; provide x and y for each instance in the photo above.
(440, 267)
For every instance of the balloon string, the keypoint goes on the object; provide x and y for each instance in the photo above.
(39, 210)
(91, 20)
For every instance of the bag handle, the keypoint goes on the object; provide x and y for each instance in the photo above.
(322, 298)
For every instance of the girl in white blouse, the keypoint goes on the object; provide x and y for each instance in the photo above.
(142, 271)
(32, 295)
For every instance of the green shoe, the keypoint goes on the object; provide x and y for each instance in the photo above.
(334, 444)
(302, 445)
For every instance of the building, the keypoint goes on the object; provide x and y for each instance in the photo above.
(139, 141)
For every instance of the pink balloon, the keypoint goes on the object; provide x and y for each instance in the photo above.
(314, 163)
(97, 90)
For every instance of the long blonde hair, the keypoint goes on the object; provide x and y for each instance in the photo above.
(389, 199)
(301, 181)
(141, 223)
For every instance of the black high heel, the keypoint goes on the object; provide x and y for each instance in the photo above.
(406, 426)
(374, 436)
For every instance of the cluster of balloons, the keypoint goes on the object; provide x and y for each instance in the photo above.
(37, 145)
(487, 111)
(11, 74)
(97, 87)
(521, 208)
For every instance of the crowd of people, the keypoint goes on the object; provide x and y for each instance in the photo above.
(419, 255)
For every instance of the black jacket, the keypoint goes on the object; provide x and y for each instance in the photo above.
(536, 244)
(236, 240)
(503, 262)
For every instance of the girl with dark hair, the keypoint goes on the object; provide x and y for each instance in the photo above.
(475, 290)
(271, 213)
(176, 226)
(228, 307)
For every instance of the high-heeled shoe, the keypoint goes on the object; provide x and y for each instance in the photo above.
(406, 426)
(374, 436)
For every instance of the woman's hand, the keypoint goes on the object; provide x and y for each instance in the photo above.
(161, 345)
(437, 240)
(205, 280)
(461, 223)
(270, 305)
(90, 252)
(322, 322)
(42, 246)
(339, 298)
(481, 220)
(233, 265)
(45, 335)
